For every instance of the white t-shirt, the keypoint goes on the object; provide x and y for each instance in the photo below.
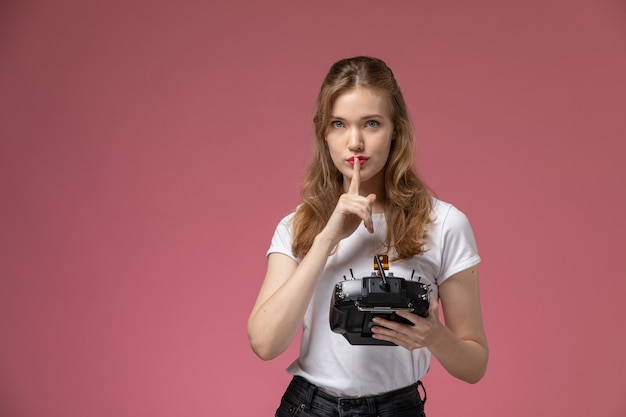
(326, 358)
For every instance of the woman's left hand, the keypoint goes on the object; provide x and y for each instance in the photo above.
(460, 345)
(423, 333)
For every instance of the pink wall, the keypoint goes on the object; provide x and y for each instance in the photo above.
(147, 150)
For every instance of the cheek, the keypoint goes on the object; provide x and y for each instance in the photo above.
(335, 156)
(385, 149)
(332, 144)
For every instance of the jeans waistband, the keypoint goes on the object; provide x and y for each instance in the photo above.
(311, 393)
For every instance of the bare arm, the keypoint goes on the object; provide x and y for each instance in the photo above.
(289, 286)
(283, 299)
(460, 345)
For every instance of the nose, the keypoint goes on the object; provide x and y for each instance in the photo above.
(355, 141)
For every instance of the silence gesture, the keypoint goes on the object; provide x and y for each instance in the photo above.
(351, 209)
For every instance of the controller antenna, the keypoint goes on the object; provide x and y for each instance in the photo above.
(384, 285)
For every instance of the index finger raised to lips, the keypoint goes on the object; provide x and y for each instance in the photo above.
(356, 177)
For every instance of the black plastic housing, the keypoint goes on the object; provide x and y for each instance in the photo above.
(356, 302)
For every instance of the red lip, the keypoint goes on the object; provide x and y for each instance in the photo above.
(362, 160)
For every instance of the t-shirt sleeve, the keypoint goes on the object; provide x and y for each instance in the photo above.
(281, 241)
(459, 250)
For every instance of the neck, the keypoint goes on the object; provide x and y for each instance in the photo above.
(379, 206)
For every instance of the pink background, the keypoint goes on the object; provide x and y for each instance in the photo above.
(148, 150)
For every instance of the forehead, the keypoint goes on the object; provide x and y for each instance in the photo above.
(358, 102)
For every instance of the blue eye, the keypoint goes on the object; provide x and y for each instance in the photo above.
(372, 123)
(336, 124)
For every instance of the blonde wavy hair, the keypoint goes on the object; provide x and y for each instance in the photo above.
(409, 206)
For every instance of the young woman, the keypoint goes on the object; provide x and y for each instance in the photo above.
(361, 198)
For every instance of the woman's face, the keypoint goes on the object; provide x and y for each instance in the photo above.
(361, 127)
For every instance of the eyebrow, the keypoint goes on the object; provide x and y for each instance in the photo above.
(370, 116)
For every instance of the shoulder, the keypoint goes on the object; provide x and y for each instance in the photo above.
(452, 240)
(447, 215)
(288, 219)
(283, 237)
(451, 229)
(285, 225)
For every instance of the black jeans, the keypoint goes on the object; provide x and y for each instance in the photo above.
(304, 399)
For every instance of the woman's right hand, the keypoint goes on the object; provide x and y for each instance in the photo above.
(288, 285)
(351, 209)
